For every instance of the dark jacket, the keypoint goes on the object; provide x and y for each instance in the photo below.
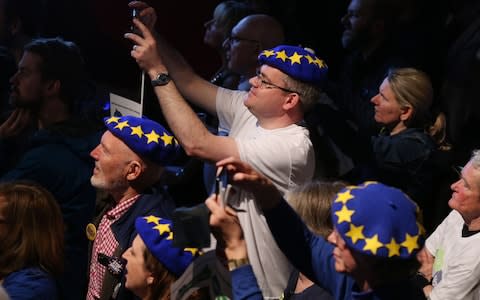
(58, 159)
(156, 202)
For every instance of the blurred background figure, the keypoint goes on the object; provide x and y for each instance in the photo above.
(225, 16)
(46, 141)
(31, 241)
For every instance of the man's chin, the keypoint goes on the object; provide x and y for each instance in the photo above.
(16, 103)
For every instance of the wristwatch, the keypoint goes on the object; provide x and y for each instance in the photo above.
(161, 79)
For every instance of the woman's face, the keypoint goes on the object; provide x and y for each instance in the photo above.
(138, 278)
(387, 110)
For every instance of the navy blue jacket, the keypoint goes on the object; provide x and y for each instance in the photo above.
(313, 256)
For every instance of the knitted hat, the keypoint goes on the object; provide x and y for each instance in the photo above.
(299, 63)
(145, 137)
(157, 235)
(379, 220)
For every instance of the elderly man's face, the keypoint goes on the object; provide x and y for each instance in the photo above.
(112, 159)
(466, 193)
(344, 258)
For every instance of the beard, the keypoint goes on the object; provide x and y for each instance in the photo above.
(17, 101)
(108, 186)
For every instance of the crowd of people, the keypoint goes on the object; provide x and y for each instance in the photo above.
(343, 178)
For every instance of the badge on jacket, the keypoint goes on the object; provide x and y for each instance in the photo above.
(91, 231)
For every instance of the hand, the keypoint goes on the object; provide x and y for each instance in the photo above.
(18, 120)
(243, 175)
(226, 228)
(147, 14)
(426, 260)
(145, 50)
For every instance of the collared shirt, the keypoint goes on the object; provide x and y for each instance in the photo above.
(105, 243)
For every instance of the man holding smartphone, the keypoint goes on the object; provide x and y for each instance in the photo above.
(265, 124)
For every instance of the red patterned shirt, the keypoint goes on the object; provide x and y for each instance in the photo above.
(105, 243)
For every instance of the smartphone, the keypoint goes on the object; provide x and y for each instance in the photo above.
(133, 28)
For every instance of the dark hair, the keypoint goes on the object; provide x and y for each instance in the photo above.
(34, 227)
(61, 60)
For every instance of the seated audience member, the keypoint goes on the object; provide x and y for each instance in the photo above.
(265, 125)
(50, 79)
(372, 249)
(402, 152)
(217, 30)
(153, 263)
(312, 202)
(450, 260)
(129, 162)
(31, 241)
(250, 36)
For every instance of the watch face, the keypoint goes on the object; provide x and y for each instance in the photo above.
(162, 79)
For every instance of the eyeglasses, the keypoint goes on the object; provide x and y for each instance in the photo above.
(236, 39)
(268, 85)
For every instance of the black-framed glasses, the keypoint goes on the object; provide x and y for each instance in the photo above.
(237, 39)
(268, 85)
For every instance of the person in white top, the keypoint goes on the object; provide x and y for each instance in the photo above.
(450, 260)
(265, 126)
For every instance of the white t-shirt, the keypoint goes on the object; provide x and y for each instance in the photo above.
(286, 157)
(456, 270)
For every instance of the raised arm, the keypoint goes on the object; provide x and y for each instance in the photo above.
(192, 86)
(185, 124)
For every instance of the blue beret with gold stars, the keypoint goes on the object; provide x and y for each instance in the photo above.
(297, 62)
(145, 137)
(379, 220)
(157, 235)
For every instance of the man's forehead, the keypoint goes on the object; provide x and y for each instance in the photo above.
(30, 61)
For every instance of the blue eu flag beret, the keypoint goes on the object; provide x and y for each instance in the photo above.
(297, 62)
(145, 137)
(376, 219)
(157, 235)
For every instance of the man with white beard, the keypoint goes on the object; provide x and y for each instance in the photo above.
(129, 162)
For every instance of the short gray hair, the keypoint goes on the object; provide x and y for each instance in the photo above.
(475, 159)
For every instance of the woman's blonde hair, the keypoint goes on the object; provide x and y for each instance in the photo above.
(34, 232)
(312, 201)
(413, 88)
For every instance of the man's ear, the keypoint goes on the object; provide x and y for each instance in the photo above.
(134, 170)
(291, 101)
(53, 87)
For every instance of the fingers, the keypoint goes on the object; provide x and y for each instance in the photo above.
(138, 4)
(213, 205)
(227, 161)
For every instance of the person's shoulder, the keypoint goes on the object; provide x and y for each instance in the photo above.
(30, 283)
